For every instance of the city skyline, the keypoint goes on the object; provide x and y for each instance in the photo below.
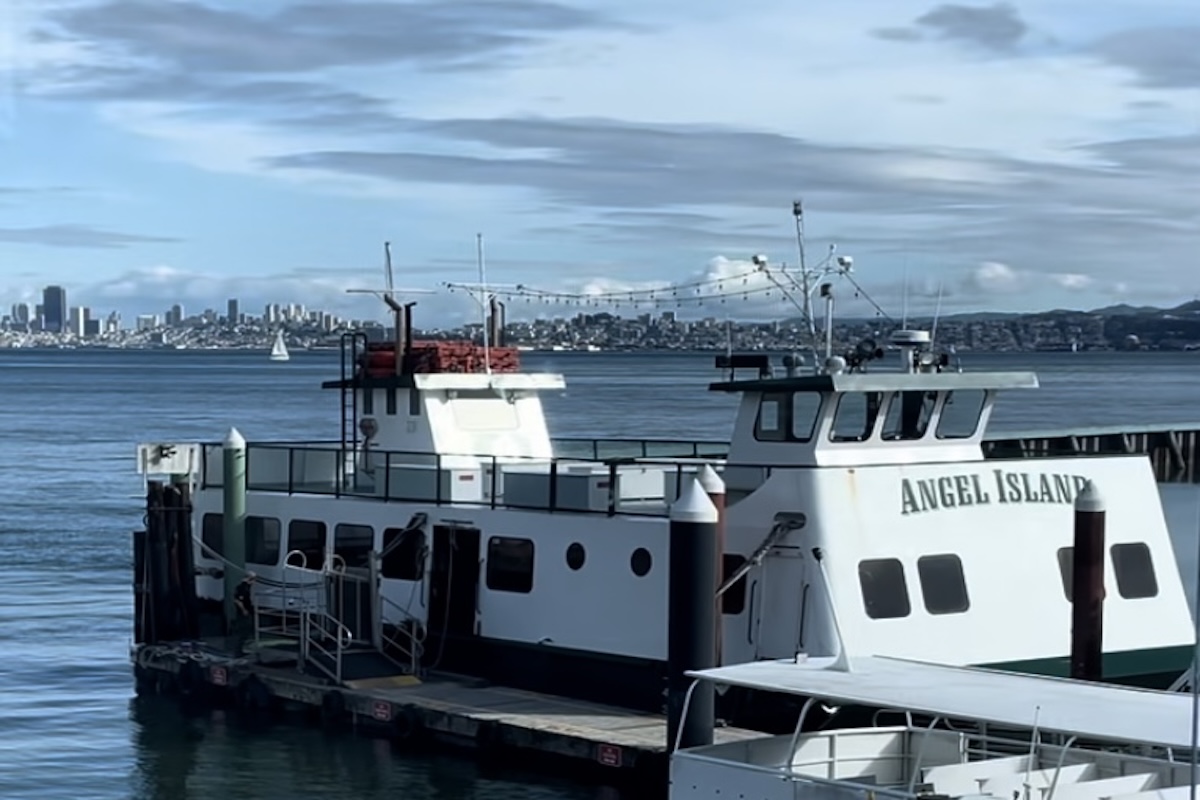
(998, 156)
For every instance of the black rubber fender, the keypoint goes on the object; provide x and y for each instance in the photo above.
(254, 697)
(190, 680)
(487, 736)
(333, 708)
(407, 725)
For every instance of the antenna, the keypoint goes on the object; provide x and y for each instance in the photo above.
(798, 213)
(937, 312)
(483, 298)
(904, 299)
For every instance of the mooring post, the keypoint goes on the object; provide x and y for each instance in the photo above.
(1087, 587)
(691, 608)
(233, 528)
(714, 487)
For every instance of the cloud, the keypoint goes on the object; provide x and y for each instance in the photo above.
(997, 27)
(77, 236)
(1164, 58)
(191, 37)
(992, 277)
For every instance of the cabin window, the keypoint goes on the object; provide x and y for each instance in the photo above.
(1066, 568)
(264, 536)
(414, 403)
(576, 555)
(640, 562)
(734, 599)
(787, 416)
(908, 415)
(770, 425)
(307, 536)
(884, 589)
(368, 401)
(212, 533)
(354, 544)
(855, 417)
(806, 410)
(1134, 570)
(390, 409)
(510, 565)
(403, 554)
(960, 414)
(943, 586)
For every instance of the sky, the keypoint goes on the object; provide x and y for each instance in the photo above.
(998, 156)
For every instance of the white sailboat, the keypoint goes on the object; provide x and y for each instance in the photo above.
(279, 351)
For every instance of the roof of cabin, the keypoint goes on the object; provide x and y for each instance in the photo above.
(454, 380)
(883, 382)
(1089, 710)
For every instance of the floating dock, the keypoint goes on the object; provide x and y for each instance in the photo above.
(439, 709)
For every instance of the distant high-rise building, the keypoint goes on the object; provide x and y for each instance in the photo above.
(78, 321)
(147, 322)
(21, 313)
(232, 313)
(54, 309)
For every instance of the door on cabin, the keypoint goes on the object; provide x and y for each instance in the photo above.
(453, 595)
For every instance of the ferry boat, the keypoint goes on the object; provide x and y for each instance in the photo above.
(447, 530)
(947, 732)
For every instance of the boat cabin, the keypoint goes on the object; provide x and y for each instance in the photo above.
(946, 732)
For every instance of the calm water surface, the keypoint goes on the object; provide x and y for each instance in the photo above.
(69, 724)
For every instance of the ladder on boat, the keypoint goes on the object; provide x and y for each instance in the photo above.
(353, 347)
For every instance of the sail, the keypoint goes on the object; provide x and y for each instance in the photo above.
(279, 351)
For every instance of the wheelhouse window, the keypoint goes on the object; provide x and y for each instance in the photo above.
(1134, 570)
(787, 416)
(354, 544)
(884, 589)
(943, 587)
(960, 414)
(307, 536)
(403, 554)
(510, 564)
(734, 599)
(212, 533)
(263, 539)
(908, 415)
(855, 417)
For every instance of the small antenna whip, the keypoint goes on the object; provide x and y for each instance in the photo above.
(483, 304)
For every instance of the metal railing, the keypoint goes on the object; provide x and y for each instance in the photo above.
(317, 629)
(628, 484)
(407, 637)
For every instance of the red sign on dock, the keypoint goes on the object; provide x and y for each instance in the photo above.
(381, 710)
(219, 676)
(609, 755)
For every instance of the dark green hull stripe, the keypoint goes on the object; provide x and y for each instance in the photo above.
(1155, 668)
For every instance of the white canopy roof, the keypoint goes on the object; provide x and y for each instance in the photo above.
(1088, 710)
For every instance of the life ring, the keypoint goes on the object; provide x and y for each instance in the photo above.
(333, 708)
(406, 724)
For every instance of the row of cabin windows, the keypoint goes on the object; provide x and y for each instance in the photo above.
(509, 559)
(390, 405)
(510, 568)
(944, 588)
(403, 555)
(793, 416)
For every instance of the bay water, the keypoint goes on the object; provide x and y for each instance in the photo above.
(70, 725)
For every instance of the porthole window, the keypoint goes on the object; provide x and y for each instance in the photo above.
(640, 562)
(884, 589)
(576, 556)
(1134, 570)
(943, 587)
